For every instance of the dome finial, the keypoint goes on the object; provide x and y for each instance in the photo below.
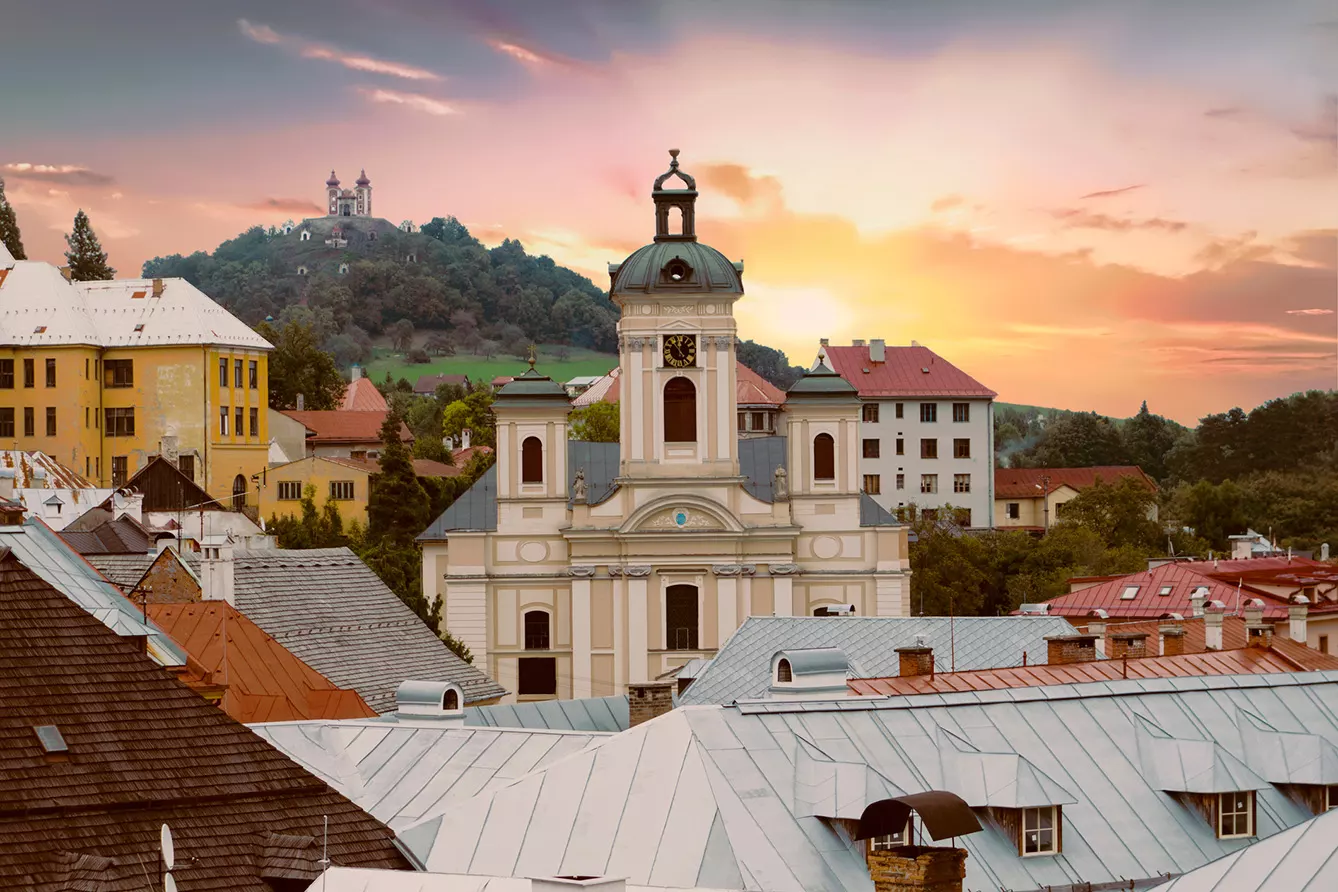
(532, 357)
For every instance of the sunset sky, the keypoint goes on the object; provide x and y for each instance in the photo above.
(1082, 204)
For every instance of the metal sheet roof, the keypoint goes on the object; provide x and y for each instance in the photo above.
(742, 668)
(715, 795)
(588, 714)
(1303, 858)
(359, 879)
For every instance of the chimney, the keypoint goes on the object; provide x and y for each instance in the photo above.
(216, 571)
(570, 883)
(877, 350)
(1296, 618)
(648, 699)
(1213, 614)
(859, 342)
(440, 701)
(128, 503)
(1253, 611)
(1196, 599)
(917, 869)
(157, 287)
(1172, 639)
(824, 342)
(1240, 548)
(355, 373)
(915, 343)
(162, 542)
(1128, 644)
(464, 438)
(65, 271)
(1258, 635)
(1064, 649)
(301, 402)
(1324, 551)
(917, 660)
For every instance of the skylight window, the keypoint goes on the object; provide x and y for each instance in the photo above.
(139, 326)
(41, 329)
(1129, 592)
(138, 294)
(1165, 590)
(51, 739)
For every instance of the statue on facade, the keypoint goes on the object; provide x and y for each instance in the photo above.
(578, 487)
(780, 489)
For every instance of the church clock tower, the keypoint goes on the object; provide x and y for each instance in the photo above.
(676, 345)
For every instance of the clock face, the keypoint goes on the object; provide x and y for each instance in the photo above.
(680, 351)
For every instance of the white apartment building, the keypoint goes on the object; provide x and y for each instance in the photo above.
(926, 430)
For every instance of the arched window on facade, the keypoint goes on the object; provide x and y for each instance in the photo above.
(238, 493)
(532, 460)
(680, 411)
(783, 672)
(536, 630)
(824, 457)
(680, 620)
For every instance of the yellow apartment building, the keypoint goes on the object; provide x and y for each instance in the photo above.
(345, 481)
(104, 375)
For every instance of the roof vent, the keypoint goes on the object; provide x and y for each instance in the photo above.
(139, 326)
(924, 369)
(1038, 609)
(52, 741)
(857, 343)
(817, 673)
(41, 329)
(430, 700)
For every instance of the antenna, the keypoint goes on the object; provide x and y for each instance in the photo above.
(325, 852)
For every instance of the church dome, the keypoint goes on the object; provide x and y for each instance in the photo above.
(675, 261)
(333, 181)
(362, 180)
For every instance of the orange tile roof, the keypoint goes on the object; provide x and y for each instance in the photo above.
(338, 426)
(751, 389)
(362, 396)
(1178, 579)
(1025, 483)
(906, 371)
(423, 467)
(265, 682)
(461, 457)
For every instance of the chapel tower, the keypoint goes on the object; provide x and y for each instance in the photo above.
(355, 202)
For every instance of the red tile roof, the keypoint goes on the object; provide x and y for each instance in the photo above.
(144, 750)
(903, 373)
(751, 389)
(1303, 656)
(1026, 483)
(338, 426)
(423, 467)
(265, 681)
(461, 457)
(427, 384)
(1145, 599)
(362, 396)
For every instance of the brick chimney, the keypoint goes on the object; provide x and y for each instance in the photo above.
(157, 287)
(216, 572)
(648, 699)
(1172, 639)
(1253, 611)
(915, 661)
(1258, 635)
(1128, 644)
(1297, 612)
(917, 869)
(1062, 649)
(1213, 614)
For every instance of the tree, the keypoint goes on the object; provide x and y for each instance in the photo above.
(1148, 440)
(398, 506)
(298, 366)
(1077, 440)
(595, 423)
(474, 414)
(86, 259)
(770, 363)
(312, 528)
(401, 335)
(1118, 513)
(9, 227)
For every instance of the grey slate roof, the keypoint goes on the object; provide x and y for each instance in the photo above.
(744, 797)
(1303, 858)
(405, 771)
(742, 668)
(759, 457)
(329, 608)
(591, 714)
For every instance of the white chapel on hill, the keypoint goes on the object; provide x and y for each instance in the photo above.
(572, 568)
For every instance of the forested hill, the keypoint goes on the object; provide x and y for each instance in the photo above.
(440, 278)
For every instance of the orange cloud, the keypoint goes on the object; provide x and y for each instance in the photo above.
(355, 61)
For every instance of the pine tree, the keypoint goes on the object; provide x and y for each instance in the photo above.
(9, 227)
(87, 260)
(398, 507)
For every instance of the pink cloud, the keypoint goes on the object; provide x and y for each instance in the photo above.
(414, 101)
(308, 49)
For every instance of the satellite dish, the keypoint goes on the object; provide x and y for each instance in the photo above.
(169, 851)
(169, 884)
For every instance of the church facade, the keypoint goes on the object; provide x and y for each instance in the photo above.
(355, 202)
(571, 569)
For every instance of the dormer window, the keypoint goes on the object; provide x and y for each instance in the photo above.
(891, 840)
(1041, 831)
(1331, 797)
(784, 674)
(450, 700)
(1235, 814)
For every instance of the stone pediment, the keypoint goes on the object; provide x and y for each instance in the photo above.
(681, 514)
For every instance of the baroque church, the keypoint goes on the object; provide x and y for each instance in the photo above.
(572, 568)
(355, 202)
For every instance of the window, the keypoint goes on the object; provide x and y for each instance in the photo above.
(118, 373)
(929, 448)
(680, 411)
(929, 412)
(1323, 644)
(222, 371)
(1129, 593)
(50, 373)
(1330, 796)
(341, 490)
(290, 490)
(236, 373)
(961, 482)
(871, 448)
(901, 446)
(50, 421)
(743, 416)
(1059, 508)
(901, 481)
(6, 374)
(532, 461)
(538, 677)
(450, 700)
(961, 412)
(1014, 510)
(186, 465)
(86, 411)
(536, 630)
(238, 492)
(824, 457)
(120, 422)
(255, 422)
(962, 516)
(85, 369)
(680, 620)
(1165, 590)
(29, 373)
(961, 447)
(120, 469)
(222, 421)
(872, 484)
(901, 410)
(6, 422)
(358, 454)
(758, 421)
(253, 372)
(29, 421)
(237, 428)
(783, 672)
(870, 413)
(1235, 814)
(1040, 830)
(928, 483)
(892, 840)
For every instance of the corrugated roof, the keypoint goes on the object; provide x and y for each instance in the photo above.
(1026, 483)
(338, 426)
(742, 797)
(406, 771)
(144, 750)
(742, 668)
(588, 714)
(906, 372)
(361, 395)
(1303, 858)
(1151, 594)
(265, 682)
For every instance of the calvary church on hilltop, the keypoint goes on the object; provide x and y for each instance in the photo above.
(573, 568)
